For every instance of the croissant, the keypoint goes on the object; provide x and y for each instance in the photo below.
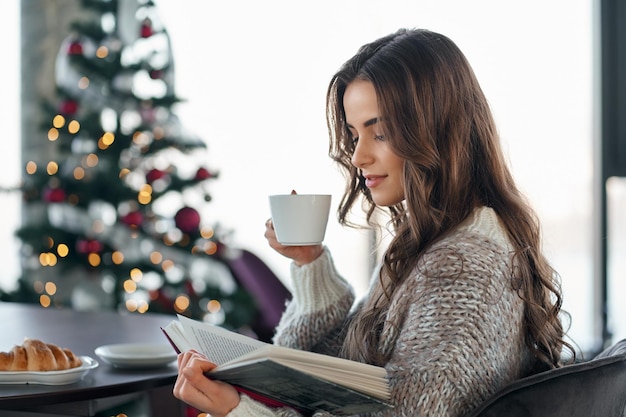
(35, 355)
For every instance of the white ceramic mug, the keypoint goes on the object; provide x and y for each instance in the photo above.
(300, 219)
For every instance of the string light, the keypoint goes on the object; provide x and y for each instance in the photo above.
(207, 232)
(145, 194)
(52, 168)
(31, 167)
(51, 288)
(63, 250)
(117, 258)
(53, 134)
(141, 139)
(91, 160)
(45, 300)
(102, 52)
(47, 259)
(131, 305)
(136, 274)
(156, 257)
(58, 121)
(79, 173)
(130, 286)
(108, 138)
(83, 83)
(73, 127)
(142, 307)
(94, 259)
(181, 303)
(167, 265)
(211, 248)
(213, 306)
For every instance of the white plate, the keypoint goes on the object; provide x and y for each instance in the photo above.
(136, 355)
(67, 376)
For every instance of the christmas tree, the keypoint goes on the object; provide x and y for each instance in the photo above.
(113, 217)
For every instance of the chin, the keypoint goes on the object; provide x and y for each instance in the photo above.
(386, 201)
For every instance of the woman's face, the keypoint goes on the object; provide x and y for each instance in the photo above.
(381, 168)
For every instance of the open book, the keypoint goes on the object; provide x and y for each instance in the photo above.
(280, 376)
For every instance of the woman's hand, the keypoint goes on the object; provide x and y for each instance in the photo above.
(301, 255)
(216, 398)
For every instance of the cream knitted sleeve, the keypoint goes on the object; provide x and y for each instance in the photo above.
(249, 408)
(321, 302)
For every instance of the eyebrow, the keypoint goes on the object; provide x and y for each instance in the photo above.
(367, 123)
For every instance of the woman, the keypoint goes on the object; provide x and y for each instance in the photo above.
(464, 301)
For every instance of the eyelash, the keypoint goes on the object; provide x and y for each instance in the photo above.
(353, 141)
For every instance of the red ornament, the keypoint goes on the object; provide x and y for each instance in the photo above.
(133, 219)
(155, 174)
(187, 219)
(75, 48)
(69, 107)
(203, 174)
(156, 74)
(89, 246)
(146, 28)
(158, 297)
(95, 246)
(54, 195)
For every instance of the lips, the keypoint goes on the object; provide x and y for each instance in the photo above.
(373, 180)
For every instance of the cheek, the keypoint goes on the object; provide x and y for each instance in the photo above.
(397, 165)
(398, 177)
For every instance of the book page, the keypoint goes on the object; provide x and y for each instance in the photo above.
(217, 344)
(306, 357)
(176, 335)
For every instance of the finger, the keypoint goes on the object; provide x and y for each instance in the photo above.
(191, 394)
(183, 359)
(196, 353)
(200, 364)
(193, 358)
(269, 224)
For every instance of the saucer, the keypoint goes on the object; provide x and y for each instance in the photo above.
(136, 355)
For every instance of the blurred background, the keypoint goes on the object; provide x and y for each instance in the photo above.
(253, 76)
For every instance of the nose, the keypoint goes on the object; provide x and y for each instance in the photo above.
(361, 156)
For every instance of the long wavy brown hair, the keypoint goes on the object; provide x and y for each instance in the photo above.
(439, 121)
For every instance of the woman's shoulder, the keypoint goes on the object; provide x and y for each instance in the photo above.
(479, 242)
(482, 223)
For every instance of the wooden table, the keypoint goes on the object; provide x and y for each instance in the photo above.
(102, 387)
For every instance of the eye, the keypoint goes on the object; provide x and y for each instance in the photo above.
(379, 137)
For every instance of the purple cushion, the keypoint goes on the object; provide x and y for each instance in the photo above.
(267, 290)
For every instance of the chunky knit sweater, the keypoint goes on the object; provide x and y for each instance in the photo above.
(454, 329)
